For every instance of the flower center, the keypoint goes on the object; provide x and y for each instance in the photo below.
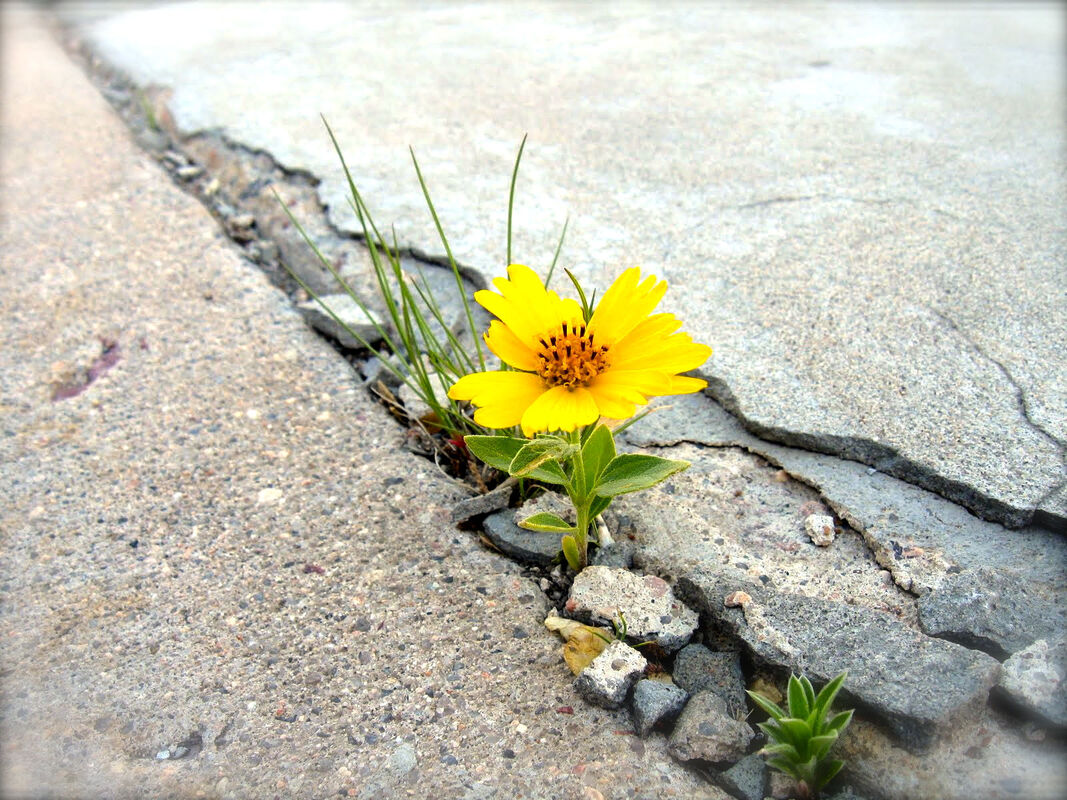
(568, 357)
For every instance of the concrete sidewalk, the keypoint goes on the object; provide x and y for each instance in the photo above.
(222, 574)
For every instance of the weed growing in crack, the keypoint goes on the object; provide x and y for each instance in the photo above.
(571, 370)
(575, 372)
(801, 736)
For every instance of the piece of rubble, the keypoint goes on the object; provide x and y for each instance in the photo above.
(529, 547)
(916, 684)
(708, 732)
(607, 594)
(1036, 679)
(655, 702)
(996, 610)
(347, 310)
(820, 529)
(498, 498)
(746, 779)
(608, 678)
(698, 669)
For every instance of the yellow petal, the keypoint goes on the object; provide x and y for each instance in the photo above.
(525, 306)
(560, 409)
(625, 304)
(680, 384)
(501, 397)
(615, 402)
(511, 349)
(649, 382)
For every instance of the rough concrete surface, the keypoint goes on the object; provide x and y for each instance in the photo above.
(860, 206)
(222, 575)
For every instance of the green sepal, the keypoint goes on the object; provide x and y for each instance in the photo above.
(570, 552)
(544, 521)
(632, 472)
(499, 451)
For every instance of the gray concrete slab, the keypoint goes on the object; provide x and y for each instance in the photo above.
(222, 575)
(860, 206)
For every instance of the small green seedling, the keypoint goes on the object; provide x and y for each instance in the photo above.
(619, 630)
(800, 740)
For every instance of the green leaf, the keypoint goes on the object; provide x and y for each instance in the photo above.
(598, 505)
(784, 765)
(499, 451)
(826, 697)
(766, 704)
(784, 750)
(537, 453)
(826, 771)
(839, 722)
(597, 452)
(798, 732)
(820, 745)
(798, 699)
(570, 552)
(545, 521)
(632, 472)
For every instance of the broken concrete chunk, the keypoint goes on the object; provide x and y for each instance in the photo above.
(466, 510)
(745, 779)
(347, 310)
(820, 529)
(1036, 679)
(698, 669)
(706, 731)
(602, 595)
(916, 684)
(655, 702)
(998, 611)
(607, 680)
(529, 547)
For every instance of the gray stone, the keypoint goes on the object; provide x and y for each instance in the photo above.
(998, 611)
(1036, 679)
(609, 676)
(698, 669)
(789, 259)
(347, 323)
(604, 595)
(746, 779)
(529, 547)
(480, 504)
(917, 685)
(708, 732)
(820, 529)
(656, 702)
(619, 554)
(915, 534)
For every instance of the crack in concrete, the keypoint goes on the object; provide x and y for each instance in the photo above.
(858, 449)
(1020, 394)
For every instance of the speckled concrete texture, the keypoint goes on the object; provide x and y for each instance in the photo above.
(860, 206)
(222, 576)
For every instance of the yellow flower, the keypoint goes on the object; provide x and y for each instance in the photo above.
(570, 373)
